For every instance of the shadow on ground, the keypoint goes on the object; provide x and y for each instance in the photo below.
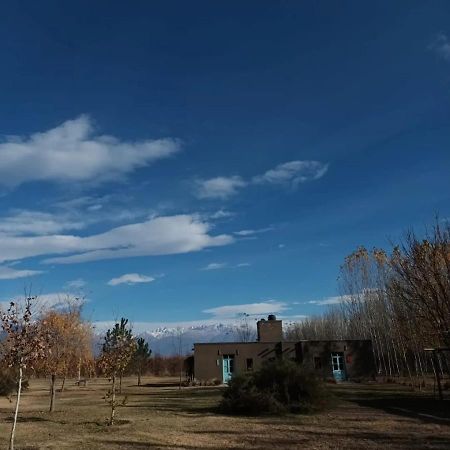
(400, 402)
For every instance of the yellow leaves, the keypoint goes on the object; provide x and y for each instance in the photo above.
(68, 341)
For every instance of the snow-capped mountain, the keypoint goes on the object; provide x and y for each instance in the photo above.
(167, 341)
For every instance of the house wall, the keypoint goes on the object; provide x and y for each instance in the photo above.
(208, 357)
(358, 357)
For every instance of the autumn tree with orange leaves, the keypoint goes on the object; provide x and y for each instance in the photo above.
(68, 346)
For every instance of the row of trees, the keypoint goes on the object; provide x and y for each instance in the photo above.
(400, 300)
(59, 344)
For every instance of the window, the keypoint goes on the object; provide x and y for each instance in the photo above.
(317, 362)
(249, 363)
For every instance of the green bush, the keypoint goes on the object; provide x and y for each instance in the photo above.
(8, 382)
(278, 387)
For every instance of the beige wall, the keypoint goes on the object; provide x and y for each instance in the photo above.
(208, 357)
(358, 356)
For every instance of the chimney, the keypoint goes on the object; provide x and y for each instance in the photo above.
(269, 330)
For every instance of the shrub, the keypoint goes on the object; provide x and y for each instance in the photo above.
(8, 382)
(278, 387)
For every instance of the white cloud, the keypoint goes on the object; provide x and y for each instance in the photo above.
(44, 302)
(157, 236)
(215, 266)
(35, 222)
(79, 283)
(96, 207)
(252, 309)
(130, 278)
(330, 300)
(441, 45)
(293, 173)
(8, 273)
(245, 233)
(219, 187)
(222, 214)
(73, 152)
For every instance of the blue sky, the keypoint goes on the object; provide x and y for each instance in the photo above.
(177, 160)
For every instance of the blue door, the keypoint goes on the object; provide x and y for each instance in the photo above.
(227, 367)
(337, 364)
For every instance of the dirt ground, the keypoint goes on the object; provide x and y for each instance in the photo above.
(160, 416)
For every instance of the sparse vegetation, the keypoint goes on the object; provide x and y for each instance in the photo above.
(159, 416)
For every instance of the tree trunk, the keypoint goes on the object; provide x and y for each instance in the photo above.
(63, 383)
(52, 392)
(16, 412)
(113, 400)
(120, 383)
(79, 372)
(139, 377)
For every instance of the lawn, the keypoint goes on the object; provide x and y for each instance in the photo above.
(160, 416)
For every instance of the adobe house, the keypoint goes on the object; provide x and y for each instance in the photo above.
(338, 359)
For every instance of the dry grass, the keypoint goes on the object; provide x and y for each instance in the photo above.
(159, 416)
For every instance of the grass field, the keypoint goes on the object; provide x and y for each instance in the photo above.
(159, 416)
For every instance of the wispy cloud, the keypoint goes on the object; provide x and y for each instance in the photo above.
(252, 309)
(130, 278)
(21, 222)
(219, 187)
(158, 236)
(245, 233)
(44, 302)
(441, 46)
(291, 174)
(215, 266)
(330, 300)
(222, 214)
(73, 151)
(79, 283)
(9, 273)
(222, 265)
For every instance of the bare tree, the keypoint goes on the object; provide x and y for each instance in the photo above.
(178, 343)
(23, 348)
(244, 331)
